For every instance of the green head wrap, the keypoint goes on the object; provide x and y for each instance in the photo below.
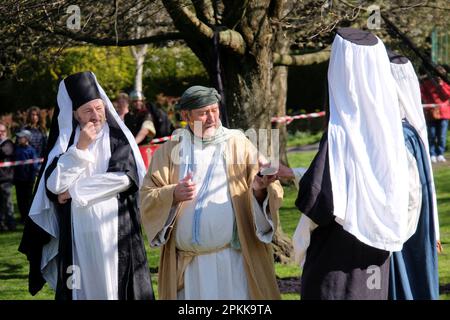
(198, 97)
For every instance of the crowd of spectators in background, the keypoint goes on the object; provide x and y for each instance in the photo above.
(23, 136)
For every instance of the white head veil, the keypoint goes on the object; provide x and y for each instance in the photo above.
(42, 211)
(408, 90)
(367, 154)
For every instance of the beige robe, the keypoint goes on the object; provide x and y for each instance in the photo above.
(156, 201)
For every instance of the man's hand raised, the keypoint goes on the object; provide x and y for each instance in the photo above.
(184, 190)
(63, 197)
(87, 136)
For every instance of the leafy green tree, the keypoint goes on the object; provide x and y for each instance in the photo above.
(167, 70)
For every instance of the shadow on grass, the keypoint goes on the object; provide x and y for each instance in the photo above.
(293, 284)
(11, 271)
(444, 288)
(289, 284)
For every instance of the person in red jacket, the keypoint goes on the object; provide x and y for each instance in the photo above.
(436, 91)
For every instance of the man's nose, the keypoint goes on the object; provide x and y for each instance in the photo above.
(95, 116)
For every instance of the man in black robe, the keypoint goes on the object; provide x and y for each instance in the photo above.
(83, 234)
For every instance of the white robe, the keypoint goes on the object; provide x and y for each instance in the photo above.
(366, 147)
(94, 210)
(410, 101)
(302, 235)
(221, 274)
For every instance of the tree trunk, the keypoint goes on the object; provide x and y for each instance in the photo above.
(282, 244)
(251, 99)
(139, 57)
(279, 92)
(139, 53)
(247, 70)
(248, 90)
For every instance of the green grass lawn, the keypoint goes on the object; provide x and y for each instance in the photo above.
(303, 138)
(14, 267)
(442, 180)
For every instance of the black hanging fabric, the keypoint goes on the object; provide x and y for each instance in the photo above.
(217, 78)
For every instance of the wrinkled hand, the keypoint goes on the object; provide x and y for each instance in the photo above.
(260, 186)
(260, 182)
(184, 190)
(87, 136)
(63, 197)
(283, 172)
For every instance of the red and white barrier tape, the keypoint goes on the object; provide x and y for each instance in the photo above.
(19, 163)
(30, 161)
(156, 140)
(289, 119)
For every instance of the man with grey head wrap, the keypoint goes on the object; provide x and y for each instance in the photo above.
(212, 215)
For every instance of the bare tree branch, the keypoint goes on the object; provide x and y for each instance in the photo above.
(187, 22)
(303, 59)
(112, 42)
(205, 11)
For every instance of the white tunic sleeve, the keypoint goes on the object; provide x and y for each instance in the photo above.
(68, 175)
(263, 220)
(298, 174)
(86, 191)
(302, 238)
(71, 165)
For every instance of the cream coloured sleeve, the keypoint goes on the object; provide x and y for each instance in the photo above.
(148, 124)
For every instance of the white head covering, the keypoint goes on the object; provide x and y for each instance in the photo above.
(408, 90)
(367, 154)
(42, 211)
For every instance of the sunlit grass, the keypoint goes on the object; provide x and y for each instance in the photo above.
(14, 267)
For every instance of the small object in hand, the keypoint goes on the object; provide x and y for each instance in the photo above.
(269, 171)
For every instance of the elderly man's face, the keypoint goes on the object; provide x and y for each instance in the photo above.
(92, 111)
(208, 117)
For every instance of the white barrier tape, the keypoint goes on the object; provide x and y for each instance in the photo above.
(19, 163)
